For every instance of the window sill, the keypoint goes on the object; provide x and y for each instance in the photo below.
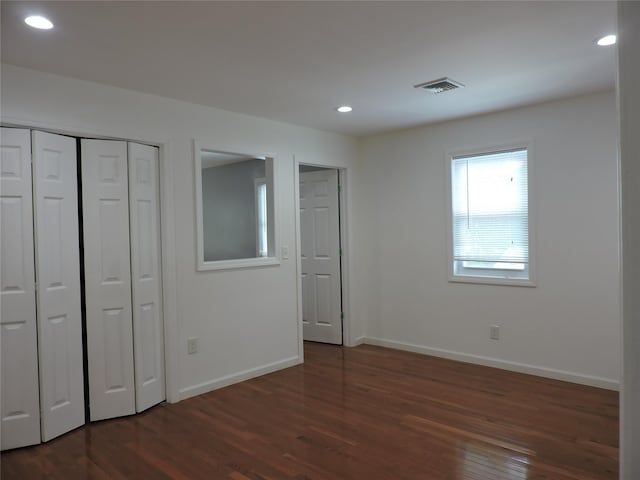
(238, 263)
(492, 281)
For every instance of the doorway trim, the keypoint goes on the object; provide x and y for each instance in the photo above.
(344, 181)
(167, 229)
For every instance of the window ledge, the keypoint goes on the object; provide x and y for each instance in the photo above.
(492, 281)
(238, 263)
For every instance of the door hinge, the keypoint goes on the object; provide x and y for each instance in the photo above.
(340, 252)
(339, 188)
(341, 315)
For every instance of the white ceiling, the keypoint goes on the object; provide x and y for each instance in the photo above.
(296, 61)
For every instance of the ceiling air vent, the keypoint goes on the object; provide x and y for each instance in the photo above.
(441, 85)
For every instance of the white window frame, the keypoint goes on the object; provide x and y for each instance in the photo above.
(257, 183)
(273, 258)
(484, 150)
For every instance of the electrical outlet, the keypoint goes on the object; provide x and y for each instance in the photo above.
(285, 253)
(494, 332)
(192, 345)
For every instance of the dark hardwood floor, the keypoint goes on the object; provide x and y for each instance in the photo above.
(352, 413)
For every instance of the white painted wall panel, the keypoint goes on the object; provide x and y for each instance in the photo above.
(567, 326)
(629, 109)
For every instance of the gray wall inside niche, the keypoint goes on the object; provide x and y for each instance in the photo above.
(229, 209)
(310, 168)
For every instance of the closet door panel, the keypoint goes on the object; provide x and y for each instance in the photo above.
(105, 208)
(58, 274)
(146, 275)
(20, 417)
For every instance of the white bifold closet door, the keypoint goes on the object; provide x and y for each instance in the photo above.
(125, 341)
(146, 274)
(105, 212)
(20, 422)
(58, 290)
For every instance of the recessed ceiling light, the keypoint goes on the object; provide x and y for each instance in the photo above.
(41, 23)
(607, 40)
(344, 109)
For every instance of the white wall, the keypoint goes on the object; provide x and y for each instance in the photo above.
(239, 334)
(567, 327)
(629, 105)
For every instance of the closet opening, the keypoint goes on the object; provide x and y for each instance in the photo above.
(82, 295)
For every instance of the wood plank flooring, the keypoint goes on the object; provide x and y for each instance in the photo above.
(351, 413)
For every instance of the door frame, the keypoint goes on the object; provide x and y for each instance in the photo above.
(348, 339)
(167, 230)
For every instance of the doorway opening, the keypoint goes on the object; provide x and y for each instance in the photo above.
(321, 254)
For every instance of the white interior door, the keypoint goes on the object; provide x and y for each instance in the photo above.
(58, 275)
(105, 213)
(20, 418)
(146, 275)
(320, 254)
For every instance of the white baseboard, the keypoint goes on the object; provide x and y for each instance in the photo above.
(227, 380)
(572, 377)
(358, 341)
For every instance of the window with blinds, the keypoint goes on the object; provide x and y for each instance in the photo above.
(490, 215)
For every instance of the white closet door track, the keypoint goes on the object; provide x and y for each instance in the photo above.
(20, 418)
(105, 212)
(58, 274)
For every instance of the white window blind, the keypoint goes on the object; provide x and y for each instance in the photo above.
(490, 207)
